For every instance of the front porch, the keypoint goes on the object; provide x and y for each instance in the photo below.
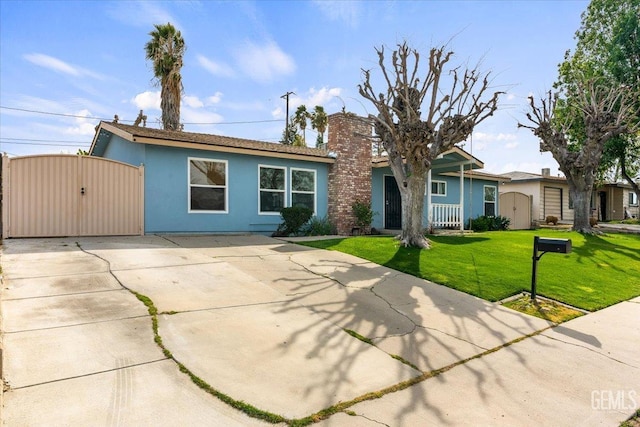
(447, 216)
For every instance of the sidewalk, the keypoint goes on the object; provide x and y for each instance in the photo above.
(269, 323)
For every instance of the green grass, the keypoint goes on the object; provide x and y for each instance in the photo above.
(601, 271)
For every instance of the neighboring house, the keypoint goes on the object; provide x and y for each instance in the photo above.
(549, 195)
(615, 201)
(200, 183)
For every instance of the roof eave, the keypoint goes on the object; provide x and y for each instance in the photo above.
(227, 149)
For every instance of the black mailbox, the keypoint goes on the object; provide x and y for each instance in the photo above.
(560, 246)
(544, 245)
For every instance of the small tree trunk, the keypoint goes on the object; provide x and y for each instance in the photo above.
(413, 199)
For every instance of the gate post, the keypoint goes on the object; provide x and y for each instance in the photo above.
(5, 180)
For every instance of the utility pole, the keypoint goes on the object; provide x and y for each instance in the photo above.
(286, 129)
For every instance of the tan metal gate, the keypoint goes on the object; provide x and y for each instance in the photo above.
(516, 207)
(68, 195)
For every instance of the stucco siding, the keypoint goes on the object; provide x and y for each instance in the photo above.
(473, 195)
(167, 192)
(124, 151)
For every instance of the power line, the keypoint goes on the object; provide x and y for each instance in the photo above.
(56, 114)
(44, 143)
(41, 140)
(77, 116)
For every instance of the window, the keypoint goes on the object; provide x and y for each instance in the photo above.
(439, 188)
(633, 199)
(207, 185)
(303, 188)
(272, 189)
(490, 200)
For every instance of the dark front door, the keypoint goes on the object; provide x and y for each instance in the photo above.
(392, 204)
(603, 206)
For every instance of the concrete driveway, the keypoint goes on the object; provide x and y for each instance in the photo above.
(266, 323)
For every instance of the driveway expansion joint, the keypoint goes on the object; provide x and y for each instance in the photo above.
(64, 295)
(592, 350)
(77, 324)
(453, 336)
(104, 371)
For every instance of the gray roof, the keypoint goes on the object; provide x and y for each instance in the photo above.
(528, 176)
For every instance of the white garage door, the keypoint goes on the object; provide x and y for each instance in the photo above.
(553, 202)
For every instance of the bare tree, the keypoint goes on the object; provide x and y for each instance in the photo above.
(604, 112)
(412, 139)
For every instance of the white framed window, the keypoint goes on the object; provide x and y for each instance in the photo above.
(633, 199)
(208, 185)
(272, 187)
(303, 188)
(490, 192)
(438, 188)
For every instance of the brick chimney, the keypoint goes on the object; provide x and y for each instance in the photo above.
(350, 175)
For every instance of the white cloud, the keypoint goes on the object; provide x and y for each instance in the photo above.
(60, 66)
(317, 97)
(494, 137)
(219, 69)
(339, 10)
(193, 115)
(278, 113)
(51, 63)
(264, 63)
(192, 101)
(525, 166)
(214, 99)
(310, 99)
(141, 13)
(511, 145)
(149, 100)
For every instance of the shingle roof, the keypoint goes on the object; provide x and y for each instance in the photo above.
(214, 140)
(528, 176)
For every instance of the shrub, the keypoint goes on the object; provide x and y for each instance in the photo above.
(318, 227)
(294, 218)
(488, 223)
(363, 213)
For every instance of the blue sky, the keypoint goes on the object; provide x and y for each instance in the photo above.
(81, 61)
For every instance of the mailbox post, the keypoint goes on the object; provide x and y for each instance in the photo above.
(544, 245)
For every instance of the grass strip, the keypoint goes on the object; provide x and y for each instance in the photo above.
(359, 337)
(601, 270)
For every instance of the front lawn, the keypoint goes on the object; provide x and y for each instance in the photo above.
(601, 270)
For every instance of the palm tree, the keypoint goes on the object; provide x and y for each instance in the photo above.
(166, 49)
(319, 122)
(300, 119)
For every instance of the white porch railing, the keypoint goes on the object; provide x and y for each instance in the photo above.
(445, 216)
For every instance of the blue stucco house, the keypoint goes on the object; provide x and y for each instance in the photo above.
(201, 183)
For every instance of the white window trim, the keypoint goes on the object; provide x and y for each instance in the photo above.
(495, 201)
(315, 187)
(226, 186)
(633, 203)
(275, 191)
(437, 194)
